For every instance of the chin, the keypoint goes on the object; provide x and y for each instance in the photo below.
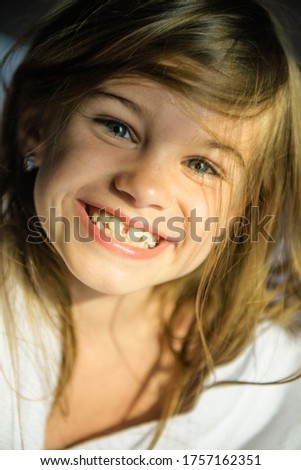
(114, 282)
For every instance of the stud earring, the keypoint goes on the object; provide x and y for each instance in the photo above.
(29, 162)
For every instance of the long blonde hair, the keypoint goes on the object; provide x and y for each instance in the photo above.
(229, 57)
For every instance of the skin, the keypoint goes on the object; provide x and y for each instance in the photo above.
(144, 163)
(146, 171)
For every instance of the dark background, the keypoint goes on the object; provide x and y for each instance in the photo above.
(17, 15)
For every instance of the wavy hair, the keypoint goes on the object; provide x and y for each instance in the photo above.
(230, 57)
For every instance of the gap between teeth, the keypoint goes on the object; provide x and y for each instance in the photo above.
(129, 235)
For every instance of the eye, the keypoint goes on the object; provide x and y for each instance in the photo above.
(116, 128)
(202, 166)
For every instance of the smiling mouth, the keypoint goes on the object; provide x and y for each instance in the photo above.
(115, 228)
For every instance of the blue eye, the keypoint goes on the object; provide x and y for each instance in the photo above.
(202, 166)
(116, 128)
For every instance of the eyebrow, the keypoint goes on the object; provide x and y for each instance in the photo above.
(212, 144)
(125, 101)
(228, 149)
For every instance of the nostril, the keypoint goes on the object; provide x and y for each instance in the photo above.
(121, 192)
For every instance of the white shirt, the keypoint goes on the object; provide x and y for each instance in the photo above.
(225, 417)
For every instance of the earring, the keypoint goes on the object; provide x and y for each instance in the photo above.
(29, 162)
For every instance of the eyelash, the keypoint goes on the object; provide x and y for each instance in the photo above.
(107, 122)
(210, 170)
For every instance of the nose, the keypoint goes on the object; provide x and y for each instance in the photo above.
(145, 186)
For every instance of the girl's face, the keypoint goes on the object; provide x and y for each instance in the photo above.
(156, 173)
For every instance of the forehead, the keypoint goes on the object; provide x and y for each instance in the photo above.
(168, 108)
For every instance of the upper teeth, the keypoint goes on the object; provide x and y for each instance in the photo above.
(111, 225)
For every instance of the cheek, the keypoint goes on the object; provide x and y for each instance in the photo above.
(209, 218)
(50, 185)
(41, 191)
(58, 175)
(207, 209)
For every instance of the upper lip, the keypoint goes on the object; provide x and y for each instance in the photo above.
(137, 221)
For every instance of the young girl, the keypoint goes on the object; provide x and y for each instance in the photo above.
(150, 241)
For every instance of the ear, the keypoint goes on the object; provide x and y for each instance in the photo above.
(30, 135)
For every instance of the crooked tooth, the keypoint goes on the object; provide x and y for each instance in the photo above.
(135, 233)
(103, 217)
(116, 223)
(111, 225)
(100, 225)
(149, 238)
(133, 236)
(99, 216)
(145, 239)
(108, 232)
(118, 229)
(95, 217)
(128, 238)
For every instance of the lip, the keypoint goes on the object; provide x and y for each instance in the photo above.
(111, 243)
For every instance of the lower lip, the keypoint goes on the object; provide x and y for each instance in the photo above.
(115, 246)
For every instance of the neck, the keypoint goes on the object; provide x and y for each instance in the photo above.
(97, 313)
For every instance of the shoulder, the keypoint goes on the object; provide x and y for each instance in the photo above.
(25, 328)
(274, 355)
(252, 403)
(29, 362)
